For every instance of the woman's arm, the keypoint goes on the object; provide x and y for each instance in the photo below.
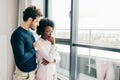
(44, 52)
(56, 55)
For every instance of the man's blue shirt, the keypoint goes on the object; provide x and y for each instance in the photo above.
(24, 53)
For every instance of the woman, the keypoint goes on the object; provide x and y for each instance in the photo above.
(47, 52)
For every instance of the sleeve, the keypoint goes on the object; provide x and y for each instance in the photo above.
(56, 55)
(45, 53)
(20, 55)
(38, 57)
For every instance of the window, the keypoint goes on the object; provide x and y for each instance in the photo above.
(92, 35)
(63, 67)
(98, 26)
(59, 12)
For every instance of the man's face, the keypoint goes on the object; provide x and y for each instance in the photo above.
(35, 23)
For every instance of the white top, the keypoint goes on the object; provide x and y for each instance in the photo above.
(48, 52)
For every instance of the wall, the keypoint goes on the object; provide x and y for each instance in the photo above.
(8, 22)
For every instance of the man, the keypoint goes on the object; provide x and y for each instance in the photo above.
(24, 45)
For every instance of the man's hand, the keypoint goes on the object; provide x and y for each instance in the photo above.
(45, 62)
(37, 45)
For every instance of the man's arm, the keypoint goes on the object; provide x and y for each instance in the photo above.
(20, 55)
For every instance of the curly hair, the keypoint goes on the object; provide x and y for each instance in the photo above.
(43, 24)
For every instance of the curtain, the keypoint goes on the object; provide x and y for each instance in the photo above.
(22, 5)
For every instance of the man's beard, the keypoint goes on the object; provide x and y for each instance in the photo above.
(31, 26)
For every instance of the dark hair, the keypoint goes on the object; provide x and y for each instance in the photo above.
(31, 11)
(43, 24)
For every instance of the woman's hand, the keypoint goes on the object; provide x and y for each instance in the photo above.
(44, 62)
(52, 40)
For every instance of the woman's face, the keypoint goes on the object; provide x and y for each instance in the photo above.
(48, 32)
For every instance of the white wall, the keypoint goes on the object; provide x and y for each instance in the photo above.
(25, 3)
(8, 21)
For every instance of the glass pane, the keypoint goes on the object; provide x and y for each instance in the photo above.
(99, 25)
(94, 16)
(83, 36)
(60, 14)
(84, 72)
(63, 66)
(105, 38)
(95, 64)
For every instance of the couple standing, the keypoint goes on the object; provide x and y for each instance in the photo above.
(35, 60)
